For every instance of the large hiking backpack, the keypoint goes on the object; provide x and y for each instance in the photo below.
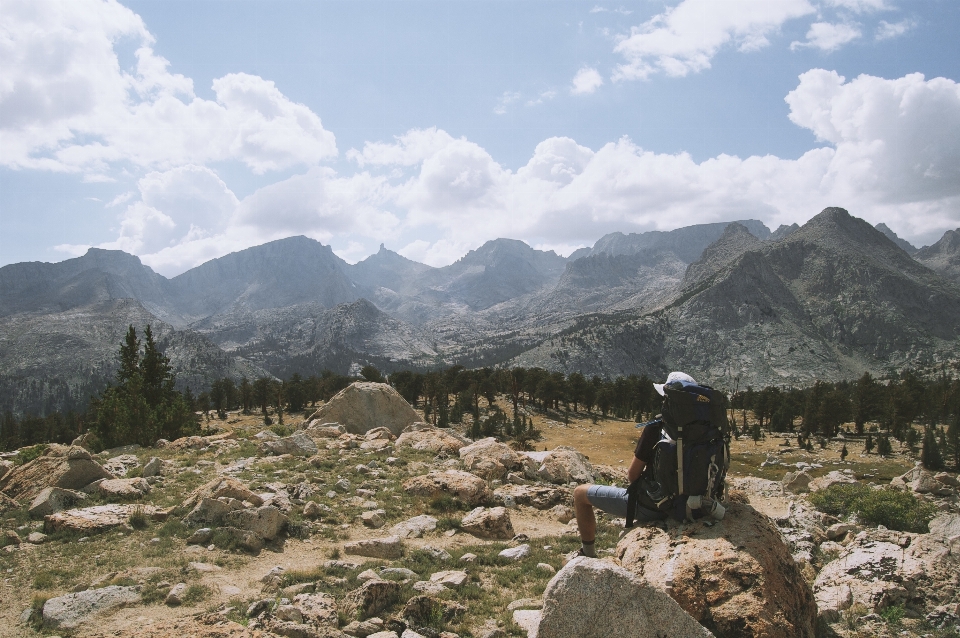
(686, 478)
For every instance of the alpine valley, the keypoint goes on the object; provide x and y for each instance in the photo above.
(729, 302)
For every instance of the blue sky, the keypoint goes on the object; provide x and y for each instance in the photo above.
(180, 131)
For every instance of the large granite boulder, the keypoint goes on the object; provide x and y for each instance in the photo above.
(54, 499)
(69, 611)
(591, 598)
(737, 578)
(562, 465)
(541, 497)
(99, 518)
(489, 458)
(370, 598)
(221, 487)
(469, 488)
(298, 444)
(421, 436)
(123, 488)
(493, 523)
(69, 468)
(266, 522)
(363, 406)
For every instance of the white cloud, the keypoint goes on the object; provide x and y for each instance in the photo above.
(860, 6)
(685, 38)
(544, 96)
(887, 31)
(828, 37)
(505, 100)
(67, 104)
(586, 81)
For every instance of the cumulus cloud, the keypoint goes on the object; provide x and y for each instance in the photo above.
(887, 30)
(860, 6)
(684, 39)
(586, 81)
(67, 104)
(828, 37)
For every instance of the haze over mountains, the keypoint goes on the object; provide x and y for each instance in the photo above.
(828, 300)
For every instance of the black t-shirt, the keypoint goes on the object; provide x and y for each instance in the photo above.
(649, 437)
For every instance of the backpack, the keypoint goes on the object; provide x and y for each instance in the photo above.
(686, 478)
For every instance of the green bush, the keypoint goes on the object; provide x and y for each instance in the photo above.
(28, 454)
(893, 509)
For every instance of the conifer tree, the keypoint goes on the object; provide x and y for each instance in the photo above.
(930, 455)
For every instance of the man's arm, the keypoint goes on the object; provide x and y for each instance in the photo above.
(636, 469)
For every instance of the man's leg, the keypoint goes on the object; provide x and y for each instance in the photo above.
(586, 520)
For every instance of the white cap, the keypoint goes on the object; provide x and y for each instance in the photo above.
(673, 376)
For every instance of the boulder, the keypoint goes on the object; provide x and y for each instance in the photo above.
(54, 499)
(175, 595)
(363, 406)
(921, 481)
(69, 611)
(470, 489)
(68, 468)
(124, 488)
(737, 578)
(541, 497)
(563, 465)
(414, 527)
(318, 609)
(99, 518)
(120, 465)
(831, 478)
(946, 525)
(266, 521)
(211, 511)
(489, 458)
(514, 553)
(153, 468)
(7, 503)
(221, 487)
(319, 430)
(388, 547)
(493, 523)
(431, 439)
(373, 518)
(796, 482)
(298, 444)
(5, 467)
(370, 598)
(450, 578)
(580, 601)
(427, 610)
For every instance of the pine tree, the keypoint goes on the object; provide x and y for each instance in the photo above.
(884, 448)
(868, 444)
(930, 456)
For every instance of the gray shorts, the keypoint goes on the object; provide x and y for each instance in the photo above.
(613, 501)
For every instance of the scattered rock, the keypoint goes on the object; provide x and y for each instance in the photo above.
(371, 597)
(54, 499)
(489, 458)
(515, 553)
(451, 579)
(221, 487)
(470, 489)
(388, 547)
(579, 599)
(491, 523)
(70, 610)
(797, 482)
(946, 525)
(431, 439)
(363, 406)
(99, 518)
(424, 610)
(838, 530)
(200, 537)
(563, 513)
(541, 497)
(737, 578)
(546, 568)
(67, 468)
(319, 609)
(563, 465)
(266, 521)
(414, 527)
(319, 430)
(5, 467)
(947, 479)
(203, 567)
(831, 478)
(153, 468)
(123, 488)
(12, 537)
(311, 510)
(298, 444)
(363, 628)
(373, 519)
(120, 465)
(210, 511)
(175, 595)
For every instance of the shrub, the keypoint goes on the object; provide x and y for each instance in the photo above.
(28, 454)
(893, 509)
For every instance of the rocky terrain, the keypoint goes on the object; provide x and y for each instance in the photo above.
(828, 300)
(378, 524)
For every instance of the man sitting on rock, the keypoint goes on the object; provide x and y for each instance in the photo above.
(613, 500)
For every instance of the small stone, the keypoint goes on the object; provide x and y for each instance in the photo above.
(546, 568)
(429, 588)
(175, 596)
(451, 579)
(366, 575)
(258, 607)
(372, 518)
(468, 558)
(311, 510)
(516, 553)
(343, 485)
(388, 547)
(289, 613)
(200, 537)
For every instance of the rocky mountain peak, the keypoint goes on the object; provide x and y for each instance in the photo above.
(892, 236)
(943, 256)
(735, 241)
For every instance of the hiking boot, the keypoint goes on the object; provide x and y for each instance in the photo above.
(574, 554)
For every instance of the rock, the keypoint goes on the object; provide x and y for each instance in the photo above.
(564, 465)
(70, 610)
(370, 598)
(738, 578)
(120, 465)
(529, 621)
(493, 523)
(367, 574)
(126, 489)
(318, 430)
(839, 530)
(797, 482)
(426, 610)
(563, 513)
(175, 596)
(266, 521)
(388, 547)
(414, 527)
(468, 558)
(946, 525)
(541, 497)
(222, 487)
(363, 406)
(921, 481)
(470, 489)
(204, 568)
(36, 538)
(298, 444)
(831, 478)
(99, 518)
(200, 537)
(429, 588)
(526, 603)
(211, 511)
(72, 470)
(363, 629)
(288, 613)
(947, 479)
(431, 439)
(578, 602)
(436, 553)
(318, 609)
(515, 553)
(5, 467)
(54, 499)
(384, 634)
(7, 503)
(153, 468)
(311, 510)
(452, 579)
(373, 519)
(546, 568)
(12, 537)
(489, 459)
(397, 573)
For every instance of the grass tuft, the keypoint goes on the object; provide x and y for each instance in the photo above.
(893, 509)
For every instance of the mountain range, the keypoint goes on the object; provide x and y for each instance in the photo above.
(732, 303)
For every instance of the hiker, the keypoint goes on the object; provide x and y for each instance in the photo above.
(654, 450)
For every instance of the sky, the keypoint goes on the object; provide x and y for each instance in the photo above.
(182, 131)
